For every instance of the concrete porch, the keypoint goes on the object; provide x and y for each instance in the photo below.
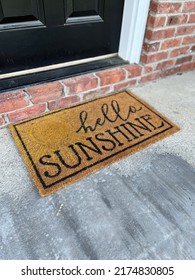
(139, 208)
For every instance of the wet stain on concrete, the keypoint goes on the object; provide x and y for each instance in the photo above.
(149, 216)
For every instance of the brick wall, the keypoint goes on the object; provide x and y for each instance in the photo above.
(169, 45)
(169, 48)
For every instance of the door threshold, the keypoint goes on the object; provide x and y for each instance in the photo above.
(16, 80)
(56, 66)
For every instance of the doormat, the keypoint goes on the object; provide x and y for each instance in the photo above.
(63, 146)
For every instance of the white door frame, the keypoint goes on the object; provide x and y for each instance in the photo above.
(133, 29)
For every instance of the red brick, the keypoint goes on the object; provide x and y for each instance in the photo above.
(189, 7)
(182, 60)
(193, 48)
(151, 47)
(165, 64)
(80, 83)
(95, 93)
(147, 69)
(125, 85)
(179, 51)
(2, 120)
(63, 102)
(28, 112)
(183, 30)
(170, 43)
(192, 18)
(188, 40)
(170, 71)
(45, 92)
(111, 76)
(188, 66)
(150, 77)
(148, 34)
(144, 57)
(154, 57)
(165, 7)
(178, 19)
(160, 34)
(13, 101)
(156, 21)
(133, 70)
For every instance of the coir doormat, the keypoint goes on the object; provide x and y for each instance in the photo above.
(62, 147)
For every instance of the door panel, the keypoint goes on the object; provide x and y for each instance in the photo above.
(84, 11)
(20, 13)
(17, 8)
(43, 32)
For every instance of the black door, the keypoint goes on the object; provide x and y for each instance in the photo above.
(35, 33)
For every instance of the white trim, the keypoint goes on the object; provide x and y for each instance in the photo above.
(133, 29)
(56, 66)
